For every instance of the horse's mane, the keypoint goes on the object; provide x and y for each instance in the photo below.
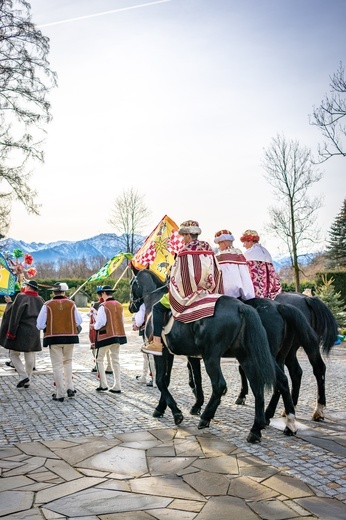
(150, 274)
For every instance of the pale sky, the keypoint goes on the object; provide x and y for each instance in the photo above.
(178, 99)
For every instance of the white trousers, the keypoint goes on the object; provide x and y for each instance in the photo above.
(61, 358)
(109, 366)
(29, 360)
(100, 362)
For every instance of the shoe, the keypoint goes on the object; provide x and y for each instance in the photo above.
(55, 398)
(141, 379)
(71, 393)
(109, 371)
(115, 391)
(154, 348)
(94, 369)
(150, 383)
(102, 389)
(9, 364)
(23, 382)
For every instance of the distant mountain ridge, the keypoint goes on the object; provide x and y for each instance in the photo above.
(105, 245)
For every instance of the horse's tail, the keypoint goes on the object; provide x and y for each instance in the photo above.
(323, 323)
(255, 339)
(300, 326)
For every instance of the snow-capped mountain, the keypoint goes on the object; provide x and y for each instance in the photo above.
(105, 245)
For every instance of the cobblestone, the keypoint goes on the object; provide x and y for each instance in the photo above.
(31, 415)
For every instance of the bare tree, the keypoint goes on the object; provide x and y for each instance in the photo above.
(290, 171)
(25, 80)
(329, 118)
(129, 216)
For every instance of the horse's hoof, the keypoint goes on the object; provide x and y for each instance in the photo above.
(267, 422)
(253, 438)
(240, 400)
(156, 413)
(289, 432)
(317, 417)
(203, 423)
(225, 391)
(195, 410)
(178, 418)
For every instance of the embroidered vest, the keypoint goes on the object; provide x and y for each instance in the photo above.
(61, 324)
(113, 331)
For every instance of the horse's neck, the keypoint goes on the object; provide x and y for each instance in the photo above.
(151, 298)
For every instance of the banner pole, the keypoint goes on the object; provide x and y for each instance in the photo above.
(79, 288)
(115, 285)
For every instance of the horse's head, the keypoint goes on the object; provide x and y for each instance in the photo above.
(146, 288)
(136, 295)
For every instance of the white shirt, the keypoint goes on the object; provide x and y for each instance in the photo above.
(236, 276)
(258, 253)
(139, 317)
(101, 318)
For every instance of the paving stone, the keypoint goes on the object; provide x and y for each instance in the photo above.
(324, 509)
(222, 464)
(37, 449)
(167, 466)
(171, 514)
(273, 510)
(29, 514)
(224, 508)
(249, 489)
(11, 483)
(215, 447)
(101, 502)
(77, 454)
(29, 465)
(62, 469)
(288, 486)
(207, 483)
(15, 501)
(166, 487)
(122, 462)
(186, 505)
(68, 488)
(138, 515)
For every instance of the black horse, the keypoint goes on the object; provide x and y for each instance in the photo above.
(234, 330)
(285, 326)
(322, 321)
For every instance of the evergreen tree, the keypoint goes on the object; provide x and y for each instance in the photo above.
(332, 299)
(336, 249)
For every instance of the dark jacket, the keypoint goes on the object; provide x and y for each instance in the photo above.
(18, 328)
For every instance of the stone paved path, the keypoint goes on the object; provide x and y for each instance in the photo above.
(105, 456)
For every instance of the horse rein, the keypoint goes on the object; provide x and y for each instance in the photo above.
(137, 300)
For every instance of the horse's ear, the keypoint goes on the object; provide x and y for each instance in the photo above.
(133, 269)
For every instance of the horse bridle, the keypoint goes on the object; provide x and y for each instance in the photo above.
(141, 299)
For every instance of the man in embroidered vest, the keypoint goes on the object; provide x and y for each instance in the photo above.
(59, 319)
(110, 335)
(195, 283)
(264, 278)
(236, 278)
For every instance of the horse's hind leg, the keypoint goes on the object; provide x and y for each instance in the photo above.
(195, 375)
(295, 371)
(219, 388)
(282, 388)
(258, 392)
(319, 370)
(244, 387)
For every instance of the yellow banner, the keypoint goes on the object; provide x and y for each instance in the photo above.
(159, 249)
